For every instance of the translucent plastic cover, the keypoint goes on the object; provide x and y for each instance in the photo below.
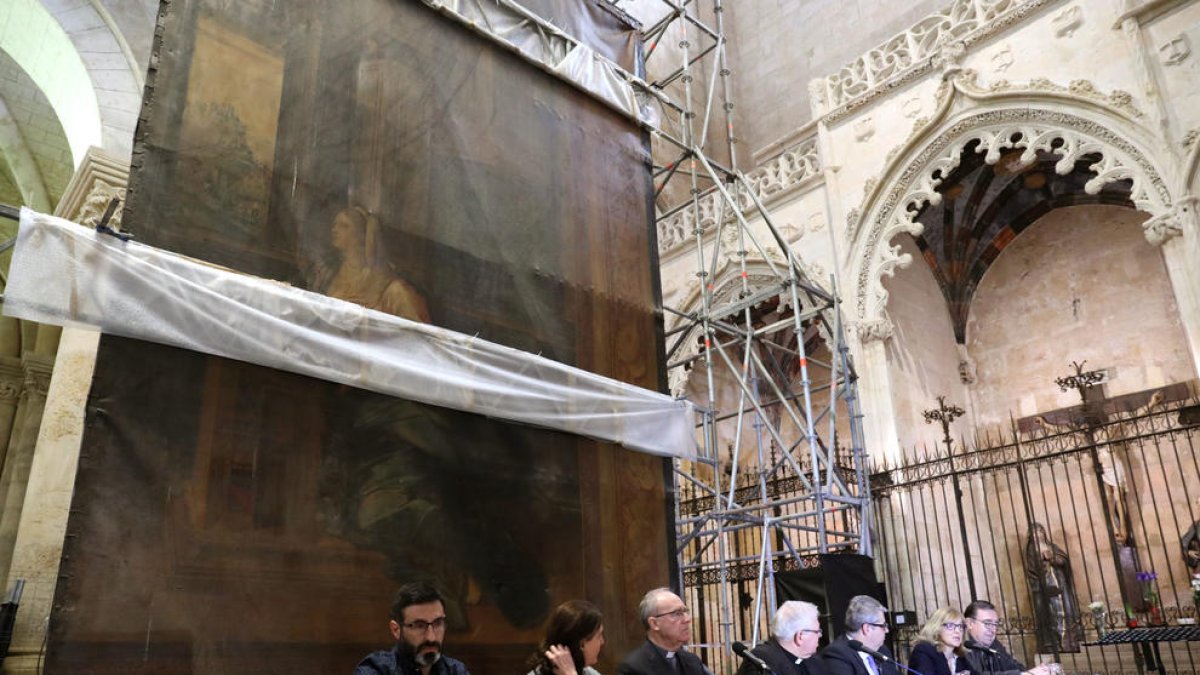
(63, 273)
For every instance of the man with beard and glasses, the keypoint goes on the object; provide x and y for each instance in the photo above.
(418, 624)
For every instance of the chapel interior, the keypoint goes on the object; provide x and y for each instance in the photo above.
(920, 281)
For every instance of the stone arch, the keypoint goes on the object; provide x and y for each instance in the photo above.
(1067, 135)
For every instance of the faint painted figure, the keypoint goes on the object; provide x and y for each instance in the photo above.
(1055, 604)
(365, 275)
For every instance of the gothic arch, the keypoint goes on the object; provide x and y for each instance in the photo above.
(1067, 133)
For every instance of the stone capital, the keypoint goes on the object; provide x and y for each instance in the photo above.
(1165, 226)
(12, 379)
(876, 329)
(37, 370)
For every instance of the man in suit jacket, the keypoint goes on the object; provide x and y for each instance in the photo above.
(793, 647)
(668, 624)
(865, 622)
(982, 623)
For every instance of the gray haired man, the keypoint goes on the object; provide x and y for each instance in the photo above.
(793, 646)
(866, 627)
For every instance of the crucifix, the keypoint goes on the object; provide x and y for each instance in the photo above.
(945, 414)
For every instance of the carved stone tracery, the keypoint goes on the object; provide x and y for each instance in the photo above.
(1060, 134)
(769, 180)
(915, 51)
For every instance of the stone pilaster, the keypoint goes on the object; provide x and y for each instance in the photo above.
(12, 381)
(1178, 233)
(35, 549)
(14, 478)
(869, 347)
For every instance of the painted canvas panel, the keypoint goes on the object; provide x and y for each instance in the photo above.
(233, 518)
(230, 518)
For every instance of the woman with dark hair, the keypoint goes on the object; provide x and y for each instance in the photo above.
(573, 641)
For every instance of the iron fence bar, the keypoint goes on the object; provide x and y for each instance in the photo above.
(1078, 529)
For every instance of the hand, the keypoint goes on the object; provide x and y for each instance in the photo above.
(560, 658)
(1040, 669)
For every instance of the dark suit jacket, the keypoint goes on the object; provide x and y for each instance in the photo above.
(839, 659)
(647, 660)
(780, 661)
(1000, 664)
(927, 660)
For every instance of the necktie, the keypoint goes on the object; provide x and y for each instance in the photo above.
(871, 666)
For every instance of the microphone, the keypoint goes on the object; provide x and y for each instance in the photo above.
(972, 644)
(740, 649)
(860, 647)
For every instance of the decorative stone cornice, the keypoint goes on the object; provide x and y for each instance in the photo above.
(771, 181)
(932, 42)
(99, 178)
(37, 371)
(12, 379)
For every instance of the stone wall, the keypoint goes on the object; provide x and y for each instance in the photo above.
(1080, 284)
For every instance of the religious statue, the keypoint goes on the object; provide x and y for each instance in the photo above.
(1191, 545)
(1109, 439)
(1055, 605)
(364, 274)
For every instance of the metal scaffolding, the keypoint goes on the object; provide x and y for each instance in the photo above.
(782, 475)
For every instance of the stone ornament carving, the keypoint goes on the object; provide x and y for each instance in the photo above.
(912, 52)
(816, 221)
(864, 129)
(769, 180)
(877, 329)
(96, 203)
(949, 57)
(1175, 51)
(1057, 133)
(1117, 99)
(12, 379)
(1163, 227)
(1066, 22)
(1002, 59)
(911, 107)
(37, 370)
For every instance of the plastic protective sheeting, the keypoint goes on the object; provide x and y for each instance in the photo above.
(63, 273)
(577, 62)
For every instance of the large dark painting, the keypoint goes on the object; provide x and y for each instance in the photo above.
(232, 518)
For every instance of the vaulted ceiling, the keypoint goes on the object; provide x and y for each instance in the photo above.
(984, 207)
(71, 77)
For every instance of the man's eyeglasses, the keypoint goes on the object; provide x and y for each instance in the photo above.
(960, 627)
(884, 626)
(809, 630)
(994, 625)
(676, 614)
(420, 626)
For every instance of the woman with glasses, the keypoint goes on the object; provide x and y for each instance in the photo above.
(938, 649)
(573, 641)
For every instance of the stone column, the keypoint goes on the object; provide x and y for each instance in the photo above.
(1178, 233)
(11, 382)
(19, 458)
(875, 389)
(43, 526)
(41, 529)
